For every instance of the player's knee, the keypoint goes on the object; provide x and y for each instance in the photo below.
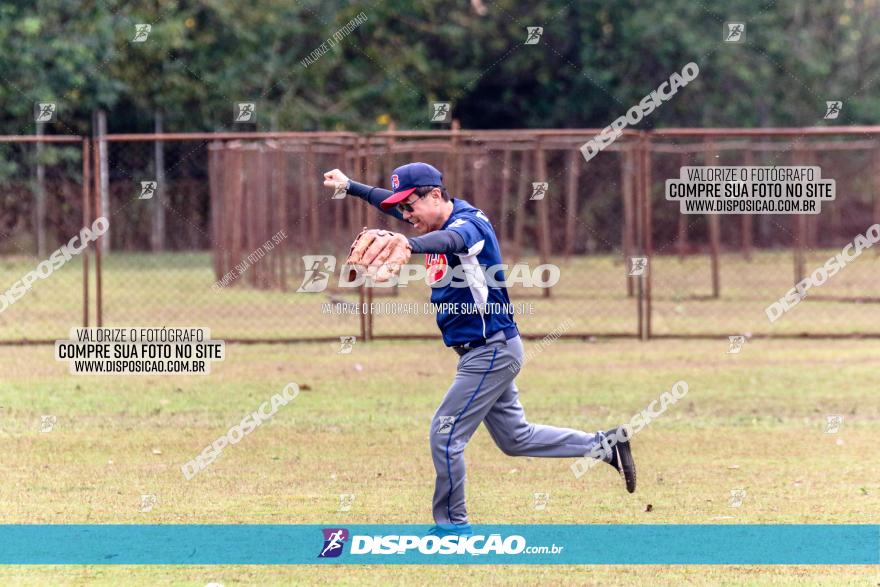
(508, 445)
(514, 444)
(438, 440)
(435, 441)
(508, 448)
(442, 426)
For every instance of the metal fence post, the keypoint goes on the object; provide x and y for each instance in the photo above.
(710, 159)
(543, 212)
(629, 184)
(99, 211)
(649, 238)
(87, 221)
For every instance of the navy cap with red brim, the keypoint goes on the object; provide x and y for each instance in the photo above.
(406, 178)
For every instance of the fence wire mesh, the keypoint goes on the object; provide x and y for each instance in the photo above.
(716, 274)
(219, 230)
(41, 210)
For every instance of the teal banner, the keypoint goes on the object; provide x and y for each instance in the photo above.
(410, 544)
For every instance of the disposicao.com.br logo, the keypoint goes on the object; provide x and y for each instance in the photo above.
(476, 545)
(436, 273)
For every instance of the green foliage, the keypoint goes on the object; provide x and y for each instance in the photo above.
(594, 60)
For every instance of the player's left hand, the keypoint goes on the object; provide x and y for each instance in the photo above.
(381, 252)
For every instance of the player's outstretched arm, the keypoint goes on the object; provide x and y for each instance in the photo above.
(439, 241)
(336, 179)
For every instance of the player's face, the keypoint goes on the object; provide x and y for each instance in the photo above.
(422, 213)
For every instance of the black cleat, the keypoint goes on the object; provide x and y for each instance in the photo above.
(620, 457)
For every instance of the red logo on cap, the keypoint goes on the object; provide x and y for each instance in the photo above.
(395, 182)
(435, 267)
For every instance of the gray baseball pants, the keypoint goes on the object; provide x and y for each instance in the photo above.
(484, 391)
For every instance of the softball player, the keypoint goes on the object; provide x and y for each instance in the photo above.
(488, 343)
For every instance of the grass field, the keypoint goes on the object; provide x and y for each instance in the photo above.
(752, 421)
(175, 290)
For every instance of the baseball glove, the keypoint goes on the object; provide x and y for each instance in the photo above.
(381, 252)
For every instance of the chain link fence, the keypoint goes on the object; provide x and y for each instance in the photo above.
(223, 229)
(713, 274)
(42, 207)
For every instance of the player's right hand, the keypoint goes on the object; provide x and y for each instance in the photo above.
(335, 179)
